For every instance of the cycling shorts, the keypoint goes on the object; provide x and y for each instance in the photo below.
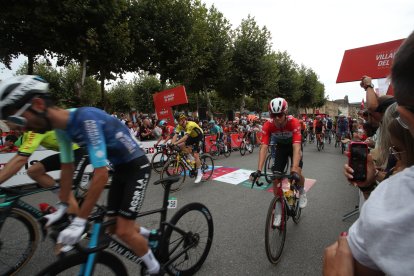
(282, 158)
(194, 142)
(52, 162)
(129, 184)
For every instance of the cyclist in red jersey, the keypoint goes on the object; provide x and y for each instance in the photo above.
(284, 131)
(167, 132)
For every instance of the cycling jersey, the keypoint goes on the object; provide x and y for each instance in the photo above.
(216, 129)
(342, 125)
(104, 136)
(329, 124)
(288, 135)
(167, 132)
(32, 140)
(318, 126)
(191, 128)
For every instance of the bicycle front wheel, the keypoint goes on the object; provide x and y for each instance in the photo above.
(171, 168)
(19, 238)
(189, 240)
(275, 233)
(298, 212)
(106, 264)
(159, 164)
(207, 166)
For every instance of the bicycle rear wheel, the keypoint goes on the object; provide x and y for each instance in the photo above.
(207, 166)
(214, 151)
(106, 264)
(196, 221)
(171, 168)
(19, 238)
(275, 235)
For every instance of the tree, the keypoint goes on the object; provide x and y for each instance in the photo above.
(143, 90)
(250, 48)
(163, 38)
(25, 30)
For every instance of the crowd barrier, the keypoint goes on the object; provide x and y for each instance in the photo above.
(21, 177)
(235, 139)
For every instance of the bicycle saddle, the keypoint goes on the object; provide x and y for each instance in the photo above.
(168, 181)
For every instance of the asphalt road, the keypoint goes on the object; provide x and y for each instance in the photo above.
(239, 219)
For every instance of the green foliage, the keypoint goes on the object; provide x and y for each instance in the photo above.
(121, 97)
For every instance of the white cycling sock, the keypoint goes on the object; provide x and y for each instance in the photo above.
(199, 172)
(144, 232)
(153, 266)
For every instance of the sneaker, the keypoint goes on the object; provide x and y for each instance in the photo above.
(303, 201)
(198, 178)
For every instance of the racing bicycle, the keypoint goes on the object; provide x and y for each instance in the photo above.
(183, 167)
(181, 245)
(158, 160)
(246, 145)
(283, 206)
(219, 147)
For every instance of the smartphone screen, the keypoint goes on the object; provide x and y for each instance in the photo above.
(358, 160)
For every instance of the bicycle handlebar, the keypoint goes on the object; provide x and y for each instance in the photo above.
(272, 176)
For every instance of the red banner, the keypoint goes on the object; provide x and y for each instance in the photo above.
(374, 61)
(236, 139)
(209, 140)
(165, 114)
(170, 97)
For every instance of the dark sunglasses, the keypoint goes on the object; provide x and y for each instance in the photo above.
(17, 119)
(279, 115)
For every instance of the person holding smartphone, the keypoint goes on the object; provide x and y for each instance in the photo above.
(381, 241)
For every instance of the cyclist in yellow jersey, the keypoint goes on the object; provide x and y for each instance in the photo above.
(192, 137)
(38, 171)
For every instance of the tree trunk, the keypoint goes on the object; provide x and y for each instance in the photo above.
(30, 64)
(242, 105)
(103, 102)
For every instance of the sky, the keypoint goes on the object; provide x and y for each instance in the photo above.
(316, 33)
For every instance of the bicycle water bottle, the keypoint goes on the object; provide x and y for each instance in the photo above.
(289, 196)
(46, 208)
(153, 239)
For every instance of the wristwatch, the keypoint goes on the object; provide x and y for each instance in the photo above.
(369, 85)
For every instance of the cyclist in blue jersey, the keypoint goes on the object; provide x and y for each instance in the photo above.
(216, 129)
(25, 101)
(342, 126)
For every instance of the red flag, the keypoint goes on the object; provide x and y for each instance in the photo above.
(362, 104)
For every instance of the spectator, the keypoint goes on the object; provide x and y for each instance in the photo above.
(9, 145)
(381, 241)
(145, 131)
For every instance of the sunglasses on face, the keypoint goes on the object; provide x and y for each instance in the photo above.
(278, 115)
(17, 118)
(400, 120)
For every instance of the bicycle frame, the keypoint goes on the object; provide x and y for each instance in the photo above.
(98, 232)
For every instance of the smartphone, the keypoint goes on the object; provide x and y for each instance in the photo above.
(358, 152)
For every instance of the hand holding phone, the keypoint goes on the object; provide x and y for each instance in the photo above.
(358, 152)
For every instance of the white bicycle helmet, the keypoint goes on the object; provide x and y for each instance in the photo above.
(18, 90)
(278, 105)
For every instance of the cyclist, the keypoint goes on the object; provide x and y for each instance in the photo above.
(283, 130)
(167, 132)
(329, 125)
(342, 127)
(319, 129)
(192, 137)
(216, 129)
(25, 101)
(310, 129)
(30, 141)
